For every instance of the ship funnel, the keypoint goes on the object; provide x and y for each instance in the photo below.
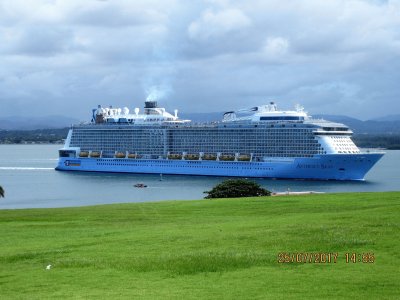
(149, 107)
(150, 104)
(176, 113)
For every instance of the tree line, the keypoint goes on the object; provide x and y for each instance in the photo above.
(387, 141)
(51, 136)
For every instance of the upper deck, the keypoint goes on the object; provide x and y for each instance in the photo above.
(264, 116)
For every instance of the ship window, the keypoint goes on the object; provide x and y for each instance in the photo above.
(335, 128)
(67, 153)
(282, 118)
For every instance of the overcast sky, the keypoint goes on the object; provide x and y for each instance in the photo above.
(331, 56)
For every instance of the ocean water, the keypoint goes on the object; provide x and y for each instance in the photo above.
(28, 177)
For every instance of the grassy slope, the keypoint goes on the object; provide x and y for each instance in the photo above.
(220, 249)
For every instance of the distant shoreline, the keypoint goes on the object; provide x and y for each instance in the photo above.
(37, 136)
(34, 143)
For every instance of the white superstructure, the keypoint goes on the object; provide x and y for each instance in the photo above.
(151, 115)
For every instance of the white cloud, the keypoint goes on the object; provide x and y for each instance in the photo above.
(276, 47)
(214, 24)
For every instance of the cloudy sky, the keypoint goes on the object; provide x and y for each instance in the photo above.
(331, 56)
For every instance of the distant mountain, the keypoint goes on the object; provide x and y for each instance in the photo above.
(31, 123)
(389, 118)
(387, 125)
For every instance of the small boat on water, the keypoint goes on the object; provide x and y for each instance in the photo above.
(140, 185)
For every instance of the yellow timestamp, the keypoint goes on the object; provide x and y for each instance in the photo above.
(353, 257)
(307, 257)
(325, 257)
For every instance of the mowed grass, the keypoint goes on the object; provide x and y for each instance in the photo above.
(209, 249)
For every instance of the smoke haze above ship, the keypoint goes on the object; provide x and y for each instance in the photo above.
(63, 57)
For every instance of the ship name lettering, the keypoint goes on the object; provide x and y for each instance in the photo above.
(307, 166)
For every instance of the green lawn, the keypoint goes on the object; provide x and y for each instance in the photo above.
(211, 249)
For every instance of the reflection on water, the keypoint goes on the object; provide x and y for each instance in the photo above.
(29, 179)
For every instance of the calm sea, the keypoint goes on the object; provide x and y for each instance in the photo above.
(28, 177)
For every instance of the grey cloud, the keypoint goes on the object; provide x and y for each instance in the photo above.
(38, 41)
(331, 56)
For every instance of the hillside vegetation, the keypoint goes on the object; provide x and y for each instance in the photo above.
(37, 136)
(387, 141)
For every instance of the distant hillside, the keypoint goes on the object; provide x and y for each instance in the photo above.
(387, 141)
(384, 125)
(388, 118)
(37, 136)
(31, 123)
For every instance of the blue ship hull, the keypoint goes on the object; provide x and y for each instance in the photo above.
(319, 167)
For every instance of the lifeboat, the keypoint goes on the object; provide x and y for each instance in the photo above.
(174, 156)
(84, 154)
(132, 155)
(120, 155)
(95, 154)
(227, 157)
(243, 158)
(209, 157)
(192, 156)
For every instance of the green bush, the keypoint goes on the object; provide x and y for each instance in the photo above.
(234, 188)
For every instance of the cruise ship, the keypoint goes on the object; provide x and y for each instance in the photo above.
(261, 141)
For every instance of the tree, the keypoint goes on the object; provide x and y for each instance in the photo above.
(234, 188)
(1, 192)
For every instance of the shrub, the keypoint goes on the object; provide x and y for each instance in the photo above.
(234, 188)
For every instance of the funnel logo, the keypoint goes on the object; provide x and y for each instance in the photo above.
(72, 163)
